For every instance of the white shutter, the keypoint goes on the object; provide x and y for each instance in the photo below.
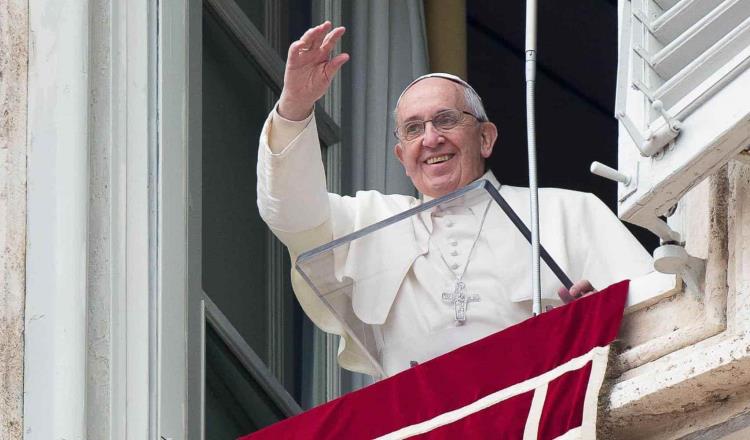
(683, 98)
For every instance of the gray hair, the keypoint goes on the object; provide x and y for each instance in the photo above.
(471, 97)
(474, 102)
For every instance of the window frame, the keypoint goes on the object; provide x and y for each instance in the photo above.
(260, 50)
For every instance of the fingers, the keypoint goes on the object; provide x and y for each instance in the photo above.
(577, 290)
(316, 44)
(330, 40)
(333, 66)
(323, 37)
(310, 68)
(305, 44)
(565, 295)
(316, 39)
(314, 33)
(581, 288)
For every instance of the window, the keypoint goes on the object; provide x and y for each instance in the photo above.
(263, 360)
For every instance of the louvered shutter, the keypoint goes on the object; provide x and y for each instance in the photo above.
(683, 97)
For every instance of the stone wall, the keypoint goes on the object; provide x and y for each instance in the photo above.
(13, 88)
(683, 371)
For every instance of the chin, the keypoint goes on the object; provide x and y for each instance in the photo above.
(440, 185)
(439, 191)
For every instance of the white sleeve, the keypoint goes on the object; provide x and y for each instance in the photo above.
(292, 195)
(613, 252)
(294, 202)
(282, 131)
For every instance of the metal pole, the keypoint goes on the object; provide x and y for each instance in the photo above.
(531, 135)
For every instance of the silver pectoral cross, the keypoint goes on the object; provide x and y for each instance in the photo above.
(460, 300)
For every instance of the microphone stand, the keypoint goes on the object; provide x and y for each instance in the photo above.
(531, 30)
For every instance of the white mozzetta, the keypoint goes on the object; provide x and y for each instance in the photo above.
(55, 369)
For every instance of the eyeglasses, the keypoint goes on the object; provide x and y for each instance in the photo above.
(442, 121)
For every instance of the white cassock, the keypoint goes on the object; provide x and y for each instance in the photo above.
(422, 258)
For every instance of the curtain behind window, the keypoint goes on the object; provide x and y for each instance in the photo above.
(389, 50)
(388, 47)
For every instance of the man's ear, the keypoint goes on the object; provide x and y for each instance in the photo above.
(488, 133)
(399, 152)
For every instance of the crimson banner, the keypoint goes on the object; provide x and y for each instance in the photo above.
(539, 379)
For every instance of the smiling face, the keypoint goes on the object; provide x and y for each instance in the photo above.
(441, 162)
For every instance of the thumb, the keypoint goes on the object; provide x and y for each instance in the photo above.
(565, 295)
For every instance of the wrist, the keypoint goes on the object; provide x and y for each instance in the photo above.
(293, 111)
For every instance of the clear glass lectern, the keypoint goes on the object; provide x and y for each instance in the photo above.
(336, 275)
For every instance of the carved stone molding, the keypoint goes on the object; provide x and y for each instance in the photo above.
(684, 369)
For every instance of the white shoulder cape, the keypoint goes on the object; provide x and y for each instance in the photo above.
(577, 229)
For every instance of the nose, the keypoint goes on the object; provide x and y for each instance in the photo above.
(431, 137)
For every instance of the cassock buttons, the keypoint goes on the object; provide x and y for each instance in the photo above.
(449, 224)
(454, 266)
(454, 253)
(454, 243)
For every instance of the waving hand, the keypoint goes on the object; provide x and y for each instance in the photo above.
(309, 70)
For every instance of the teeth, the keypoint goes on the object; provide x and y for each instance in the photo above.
(437, 159)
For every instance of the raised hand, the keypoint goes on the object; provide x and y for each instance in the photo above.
(309, 70)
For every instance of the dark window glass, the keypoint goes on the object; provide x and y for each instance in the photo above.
(234, 236)
(235, 403)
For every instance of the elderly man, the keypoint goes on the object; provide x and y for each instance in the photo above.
(444, 139)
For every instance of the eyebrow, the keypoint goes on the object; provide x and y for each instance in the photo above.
(416, 118)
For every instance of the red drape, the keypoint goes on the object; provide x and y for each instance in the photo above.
(463, 376)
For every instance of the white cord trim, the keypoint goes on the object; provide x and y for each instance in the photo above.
(531, 430)
(573, 434)
(597, 354)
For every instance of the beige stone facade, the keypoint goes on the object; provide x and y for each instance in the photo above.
(684, 365)
(13, 71)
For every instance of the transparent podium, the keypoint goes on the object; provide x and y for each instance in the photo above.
(344, 272)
